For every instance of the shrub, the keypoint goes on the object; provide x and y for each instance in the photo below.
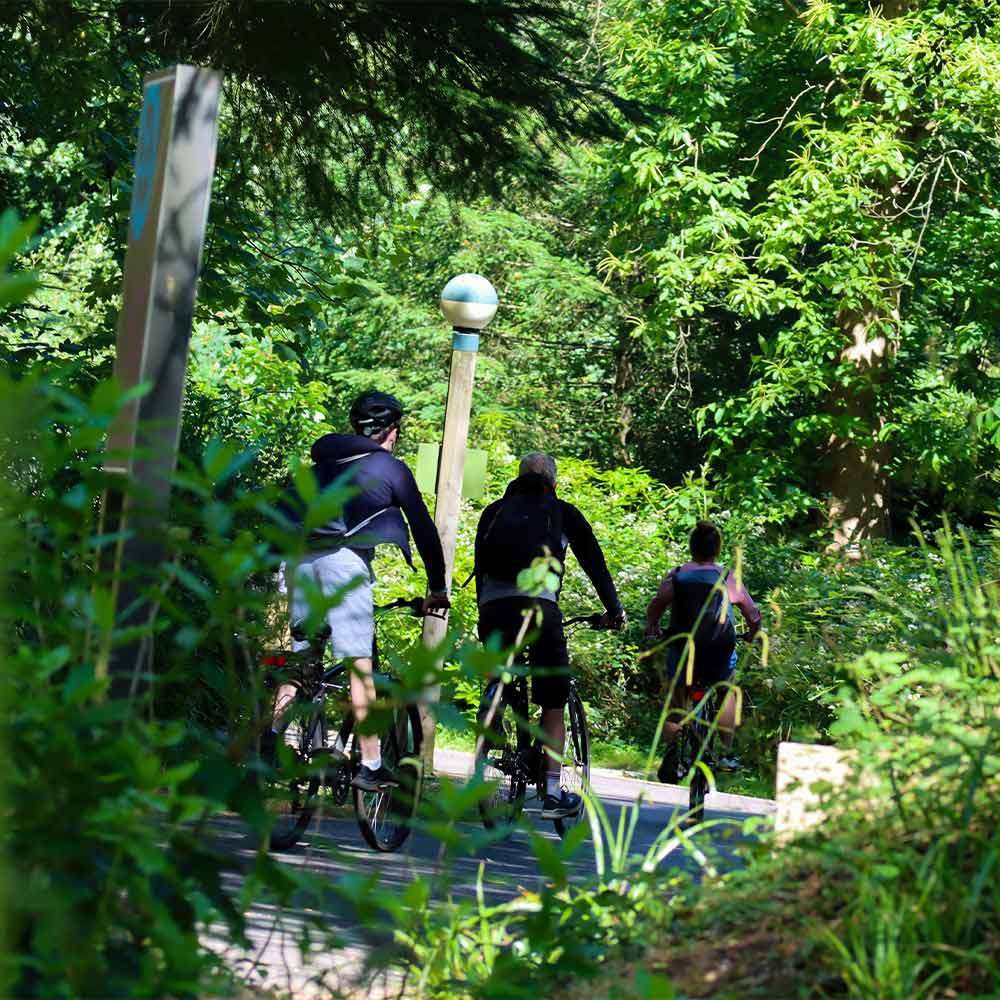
(893, 895)
(113, 876)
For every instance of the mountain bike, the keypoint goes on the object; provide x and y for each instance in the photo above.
(698, 742)
(511, 761)
(312, 769)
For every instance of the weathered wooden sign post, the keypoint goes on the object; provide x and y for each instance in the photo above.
(174, 166)
(468, 302)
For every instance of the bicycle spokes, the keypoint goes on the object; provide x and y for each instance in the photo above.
(385, 816)
(376, 805)
(291, 786)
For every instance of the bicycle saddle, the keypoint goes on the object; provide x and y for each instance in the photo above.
(299, 634)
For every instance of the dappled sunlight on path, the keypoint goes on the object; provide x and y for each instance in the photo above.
(333, 850)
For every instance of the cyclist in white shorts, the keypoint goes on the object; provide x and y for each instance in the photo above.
(342, 552)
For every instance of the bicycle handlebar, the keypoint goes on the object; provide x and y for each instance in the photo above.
(415, 604)
(594, 621)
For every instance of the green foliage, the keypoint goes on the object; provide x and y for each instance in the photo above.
(335, 100)
(892, 895)
(255, 397)
(14, 286)
(676, 298)
(556, 323)
(113, 798)
(563, 932)
(802, 179)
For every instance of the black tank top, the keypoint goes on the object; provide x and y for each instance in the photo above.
(714, 639)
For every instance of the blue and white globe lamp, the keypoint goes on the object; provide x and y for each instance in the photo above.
(468, 302)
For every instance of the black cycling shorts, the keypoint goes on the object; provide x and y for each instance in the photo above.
(547, 655)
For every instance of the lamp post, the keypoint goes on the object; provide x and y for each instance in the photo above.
(468, 302)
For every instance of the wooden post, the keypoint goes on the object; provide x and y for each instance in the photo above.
(451, 469)
(174, 166)
(802, 768)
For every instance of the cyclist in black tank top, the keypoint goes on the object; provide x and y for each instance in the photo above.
(701, 608)
(698, 607)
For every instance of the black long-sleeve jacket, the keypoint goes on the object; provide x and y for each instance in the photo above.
(577, 535)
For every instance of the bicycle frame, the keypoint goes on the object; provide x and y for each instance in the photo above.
(524, 760)
(530, 753)
(703, 725)
(330, 676)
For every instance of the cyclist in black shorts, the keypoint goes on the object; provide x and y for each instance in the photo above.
(512, 532)
(701, 608)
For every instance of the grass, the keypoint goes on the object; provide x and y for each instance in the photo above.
(454, 739)
(893, 897)
(752, 935)
(616, 755)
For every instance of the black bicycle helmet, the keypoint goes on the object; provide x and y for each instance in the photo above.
(373, 412)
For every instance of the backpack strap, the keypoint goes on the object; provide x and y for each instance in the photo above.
(489, 531)
(371, 517)
(364, 524)
(353, 458)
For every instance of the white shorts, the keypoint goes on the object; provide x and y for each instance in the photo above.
(344, 572)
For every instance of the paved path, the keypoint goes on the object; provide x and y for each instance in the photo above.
(333, 848)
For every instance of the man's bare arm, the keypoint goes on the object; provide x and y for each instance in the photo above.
(741, 598)
(659, 604)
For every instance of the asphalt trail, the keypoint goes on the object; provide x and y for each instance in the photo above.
(333, 849)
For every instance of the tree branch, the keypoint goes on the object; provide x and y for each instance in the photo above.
(777, 128)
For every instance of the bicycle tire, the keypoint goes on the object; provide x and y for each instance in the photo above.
(291, 788)
(385, 817)
(575, 775)
(499, 762)
(698, 787)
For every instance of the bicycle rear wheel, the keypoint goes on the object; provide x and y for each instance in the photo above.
(291, 788)
(576, 766)
(698, 788)
(499, 762)
(385, 817)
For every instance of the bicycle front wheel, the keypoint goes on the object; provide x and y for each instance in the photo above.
(385, 817)
(576, 763)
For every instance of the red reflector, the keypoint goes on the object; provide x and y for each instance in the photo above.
(696, 696)
(275, 661)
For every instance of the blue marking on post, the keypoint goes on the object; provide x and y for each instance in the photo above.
(470, 288)
(463, 341)
(146, 155)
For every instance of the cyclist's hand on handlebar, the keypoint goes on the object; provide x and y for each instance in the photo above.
(436, 600)
(614, 621)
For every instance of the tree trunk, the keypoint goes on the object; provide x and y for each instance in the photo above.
(624, 382)
(856, 476)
